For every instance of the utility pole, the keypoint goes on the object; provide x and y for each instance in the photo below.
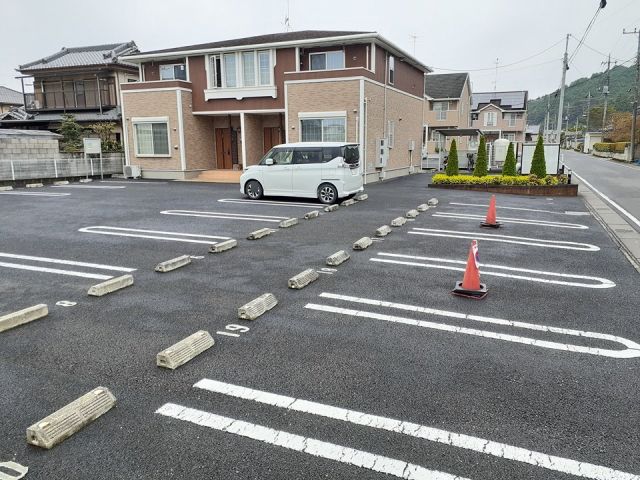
(605, 92)
(634, 114)
(546, 120)
(495, 82)
(588, 110)
(565, 67)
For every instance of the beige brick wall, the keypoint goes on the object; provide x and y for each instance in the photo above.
(322, 97)
(406, 112)
(153, 104)
(253, 136)
(199, 137)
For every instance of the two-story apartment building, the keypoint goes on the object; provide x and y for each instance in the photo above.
(83, 81)
(448, 106)
(217, 107)
(500, 115)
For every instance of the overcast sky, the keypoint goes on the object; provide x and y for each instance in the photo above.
(462, 35)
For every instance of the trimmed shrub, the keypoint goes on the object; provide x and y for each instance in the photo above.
(509, 167)
(617, 147)
(452, 163)
(529, 180)
(538, 165)
(482, 167)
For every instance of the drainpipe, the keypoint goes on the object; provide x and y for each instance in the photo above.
(99, 94)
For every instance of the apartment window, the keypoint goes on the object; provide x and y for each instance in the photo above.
(151, 138)
(510, 136)
(323, 129)
(392, 69)
(391, 133)
(230, 73)
(240, 69)
(175, 71)
(473, 141)
(490, 119)
(326, 60)
(441, 109)
(512, 118)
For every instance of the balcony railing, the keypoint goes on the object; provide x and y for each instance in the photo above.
(73, 95)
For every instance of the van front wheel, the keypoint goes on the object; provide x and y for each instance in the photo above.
(327, 193)
(253, 189)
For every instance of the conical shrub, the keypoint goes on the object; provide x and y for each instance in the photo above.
(509, 167)
(538, 164)
(482, 168)
(452, 163)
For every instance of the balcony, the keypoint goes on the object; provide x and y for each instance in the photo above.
(73, 95)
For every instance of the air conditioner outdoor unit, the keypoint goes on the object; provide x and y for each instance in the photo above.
(132, 171)
(383, 153)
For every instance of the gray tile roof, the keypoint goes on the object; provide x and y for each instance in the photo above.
(445, 85)
(10, 97)
(516, 100)
(96, 55)
(112, 115)
(10, 132)
(260, 39)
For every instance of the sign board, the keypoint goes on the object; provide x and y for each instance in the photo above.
(92, 145)
(551, 157)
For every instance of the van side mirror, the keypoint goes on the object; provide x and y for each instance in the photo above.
(268, 161)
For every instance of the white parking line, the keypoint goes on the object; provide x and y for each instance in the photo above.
(543, 223)
(537, 242)
(225, 215)
(89, 186)
(162, 235)
(73, 273)
(415, 430)
(37, 194)
(311, 446)
(487, 269)
(271, 203)
(607, 199)
(519, 208)
(133, 181)
(632, 349)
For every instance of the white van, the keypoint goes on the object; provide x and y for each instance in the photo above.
(327, 171)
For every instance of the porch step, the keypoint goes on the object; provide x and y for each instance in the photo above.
(218, 176)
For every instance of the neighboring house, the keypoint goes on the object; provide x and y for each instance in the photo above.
(591, 138)
(531, 133)
(448, 106)
(220, 106)
(83, 81)
(9, 99)
(500, 115)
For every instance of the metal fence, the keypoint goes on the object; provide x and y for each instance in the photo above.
(67, 165)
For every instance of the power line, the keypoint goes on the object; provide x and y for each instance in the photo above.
(586, 32)
(501, 66)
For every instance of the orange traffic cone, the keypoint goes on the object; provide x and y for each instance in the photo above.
(490, 221)
(470, 285)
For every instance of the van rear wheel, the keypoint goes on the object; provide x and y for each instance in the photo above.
(253, 189)
(327, 193)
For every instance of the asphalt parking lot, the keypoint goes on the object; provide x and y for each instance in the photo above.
(372, 371)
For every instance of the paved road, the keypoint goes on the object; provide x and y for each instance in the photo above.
(487, 390)
(620, 182)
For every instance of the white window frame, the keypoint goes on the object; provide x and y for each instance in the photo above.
(441, 114)
(488, 116)
(240, 90)
(508, 136)
(325, 61)
(141, 120)
(322, 116)
(391, 133)
(173, 71)
(392, 70)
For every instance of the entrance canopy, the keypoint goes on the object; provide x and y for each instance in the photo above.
(458, 132)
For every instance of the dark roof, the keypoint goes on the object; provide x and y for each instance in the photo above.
(95, 55)
(445, 85)
(112, 115)
(516, 100)
(10, 97)
(260, 39)
(10, 132)
(458, 132)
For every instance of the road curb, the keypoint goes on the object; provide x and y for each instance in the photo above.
(622, 234)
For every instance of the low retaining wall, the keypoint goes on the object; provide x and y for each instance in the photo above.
(545, 190)
(625, 157)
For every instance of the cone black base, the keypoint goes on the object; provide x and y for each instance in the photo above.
(491, 225)
(475, 294)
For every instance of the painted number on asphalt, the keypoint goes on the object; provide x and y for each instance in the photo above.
(231, 328)
(66, 303)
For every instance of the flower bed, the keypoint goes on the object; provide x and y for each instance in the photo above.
(519, 185)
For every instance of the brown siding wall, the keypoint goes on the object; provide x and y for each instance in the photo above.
(153, 104)
(323, 97)
(285, 62)
(354, 55)
(407, 77)
(316, 74)
(151, 70)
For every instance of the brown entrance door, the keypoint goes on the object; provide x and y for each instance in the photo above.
(223, 148)
(271, 137)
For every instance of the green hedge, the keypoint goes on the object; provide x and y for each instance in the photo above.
(617, 147)
(442, 179)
